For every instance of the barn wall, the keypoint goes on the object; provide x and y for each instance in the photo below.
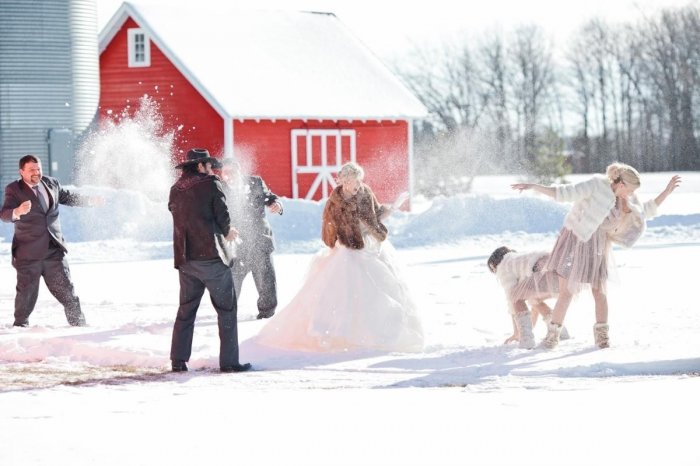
(382, 149)
(180, 103)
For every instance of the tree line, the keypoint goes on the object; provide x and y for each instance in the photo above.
(512, 103)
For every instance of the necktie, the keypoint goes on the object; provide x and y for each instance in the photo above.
(42, 201)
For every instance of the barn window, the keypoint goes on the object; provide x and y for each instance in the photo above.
(139, 48)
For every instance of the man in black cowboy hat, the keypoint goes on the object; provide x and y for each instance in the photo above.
(201, 241)
(247, 197)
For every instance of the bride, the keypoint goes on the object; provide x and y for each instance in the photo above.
(353, 295)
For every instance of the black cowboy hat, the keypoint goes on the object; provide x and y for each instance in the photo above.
(195, 156)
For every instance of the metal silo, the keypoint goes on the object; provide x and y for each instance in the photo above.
(49, 82)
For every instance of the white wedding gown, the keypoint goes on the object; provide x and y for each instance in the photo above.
(350, 299)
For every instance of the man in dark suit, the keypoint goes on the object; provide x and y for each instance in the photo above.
(38, 247)
(202, 233)
(247, 197)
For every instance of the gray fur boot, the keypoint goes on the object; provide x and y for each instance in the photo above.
(551, 340)
(600, 333)
(524, 322)
(564, 334)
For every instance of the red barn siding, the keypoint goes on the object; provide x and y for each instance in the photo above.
(382, 149)
(180, 103)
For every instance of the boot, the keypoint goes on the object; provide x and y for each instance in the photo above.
(524, 323)
(600, 333)
(564, 335)
(179, 366)
(551, 340)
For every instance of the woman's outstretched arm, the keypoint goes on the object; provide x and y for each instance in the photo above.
(546, 190)
(673, 184)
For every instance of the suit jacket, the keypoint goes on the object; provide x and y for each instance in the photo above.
(201, 219)
(36, 230)
(247, 207)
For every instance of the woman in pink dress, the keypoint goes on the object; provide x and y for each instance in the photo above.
(605, 210)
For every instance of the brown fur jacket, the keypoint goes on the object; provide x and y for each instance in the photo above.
(342, 217)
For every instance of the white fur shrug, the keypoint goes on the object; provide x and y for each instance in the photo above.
(516, 266)
(634, 223)
(593, 199)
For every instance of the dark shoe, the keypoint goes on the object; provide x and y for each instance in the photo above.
(237, 368)
(21, 324)
(179, 366)
(265, 314)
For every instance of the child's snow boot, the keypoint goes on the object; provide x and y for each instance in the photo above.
(551, 340)
(600, 333)
(564, 335)
(524, 322)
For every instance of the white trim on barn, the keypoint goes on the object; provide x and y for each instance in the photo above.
(409, 136)
(228, 137)
(326, 168)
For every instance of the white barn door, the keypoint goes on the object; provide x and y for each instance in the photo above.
(317, 155)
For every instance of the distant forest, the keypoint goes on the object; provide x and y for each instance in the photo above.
(514, 103)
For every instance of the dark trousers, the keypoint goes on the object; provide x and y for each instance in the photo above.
(54, 269)
(261, 267)
(195, 277)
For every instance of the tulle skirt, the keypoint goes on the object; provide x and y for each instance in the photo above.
(584, 263)
(538, 286)
(349, 299)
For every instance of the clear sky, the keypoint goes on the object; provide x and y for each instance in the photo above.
(391, 27)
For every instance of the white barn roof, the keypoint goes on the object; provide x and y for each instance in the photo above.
(272, 64)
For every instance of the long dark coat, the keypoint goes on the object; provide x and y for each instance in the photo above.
(201, 219)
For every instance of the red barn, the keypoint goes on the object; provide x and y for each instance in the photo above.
(292, 95)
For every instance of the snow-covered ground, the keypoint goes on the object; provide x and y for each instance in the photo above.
(103, 395)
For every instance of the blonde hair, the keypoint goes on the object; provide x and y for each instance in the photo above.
(617, 172)
(350, 170)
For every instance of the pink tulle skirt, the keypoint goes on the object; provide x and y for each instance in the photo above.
(538, 286)
(584, 264)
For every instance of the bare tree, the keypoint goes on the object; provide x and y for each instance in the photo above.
(532, 84)
(498, 105)
(583, 86)
(446, 81)
(671, 62)
(495, 76)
